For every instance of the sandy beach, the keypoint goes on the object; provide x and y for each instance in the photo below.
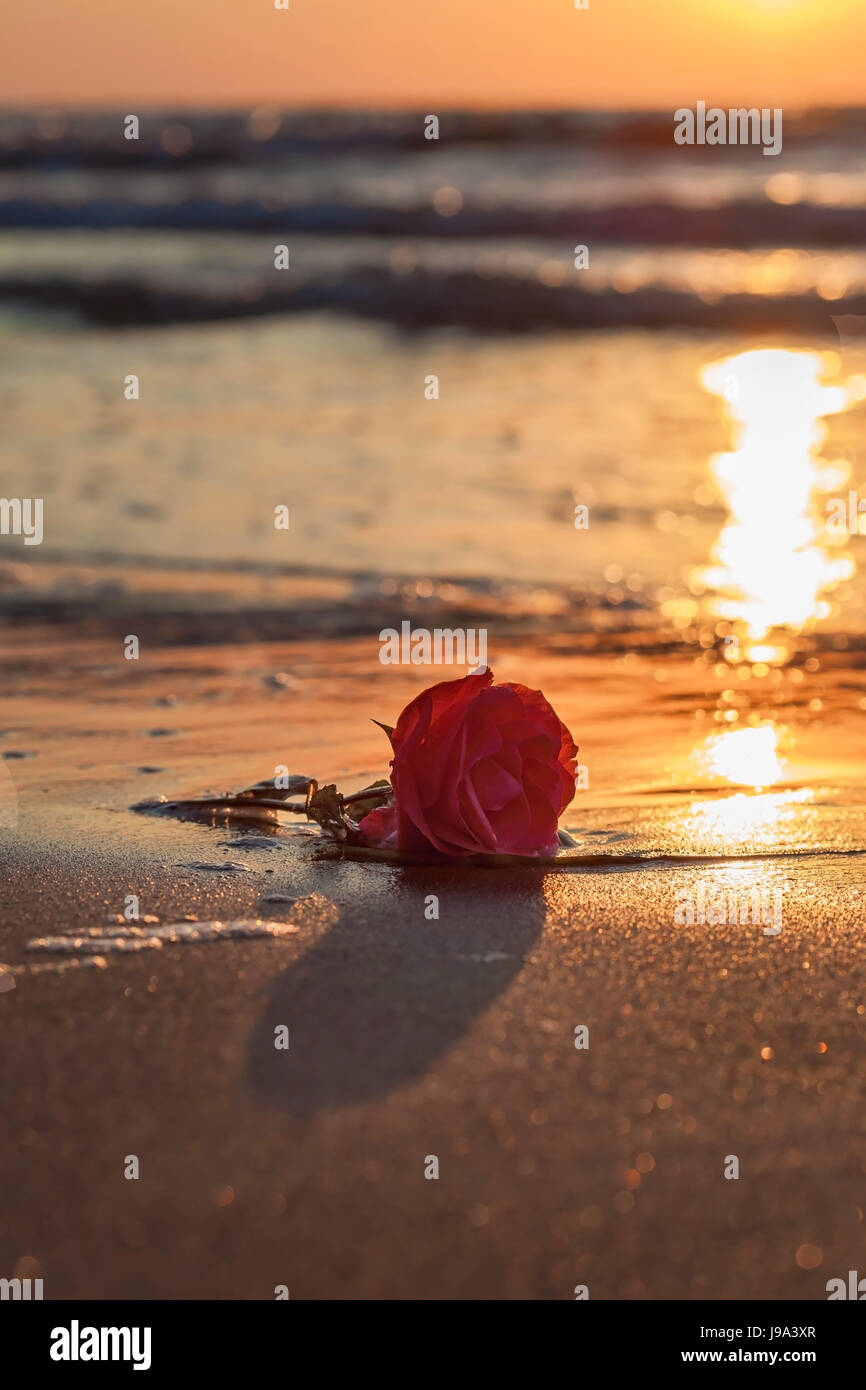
(413, 1037)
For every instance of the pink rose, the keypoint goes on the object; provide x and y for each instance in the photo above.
(477, 769)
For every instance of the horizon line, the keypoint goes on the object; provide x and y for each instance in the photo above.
(396, 107)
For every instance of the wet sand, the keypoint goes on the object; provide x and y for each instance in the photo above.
(413, 1037)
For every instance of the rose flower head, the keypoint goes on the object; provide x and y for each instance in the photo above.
(478, 768)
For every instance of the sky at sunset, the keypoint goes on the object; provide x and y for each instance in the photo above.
(538, 53)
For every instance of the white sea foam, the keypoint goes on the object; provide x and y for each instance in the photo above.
(133, 938)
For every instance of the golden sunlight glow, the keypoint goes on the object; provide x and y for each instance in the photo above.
(746, 757)
(761, 820)
(771, 569)
(770, 655)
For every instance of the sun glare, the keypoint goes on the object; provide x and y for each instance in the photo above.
(761, 819)
(771, 569)
(745, 757)
(749, 758)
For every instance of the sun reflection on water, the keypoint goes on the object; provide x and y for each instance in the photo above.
(745, 757)
(748, 757)
(757, 820)
(771, 569)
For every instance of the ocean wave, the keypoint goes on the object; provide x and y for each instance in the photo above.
(54, 135)
(735, 224)
(425, 298)
(188, 603)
